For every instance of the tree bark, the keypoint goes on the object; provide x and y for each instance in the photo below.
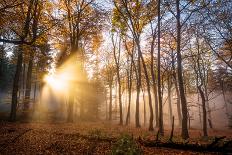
(117, 61)
(138, 87)
(110, 105)
(204, 111)
(156, 105)
(28, 83)
(144, 109)
(184, 133)
(161, 128)
(14, 101)
(129, 93)
(34, 100)
(154, 86)
(70, 108)
(170, 98)
(177, 92)
(148, 86)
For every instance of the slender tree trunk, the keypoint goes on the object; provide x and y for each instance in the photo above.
(170, 99)
(200, 82)
(154, 84)
(128, 110)
(129, 94)
(120, 100)
(204, 111)
(110, 105)
(106, 101)
(198, 99)
(161, 128)
(70, 108)
(23, 80)
(205, 82)
(156, 106)
(177, 92)
(14, 101)
(224, 97)
(208, 107)
(172, 125)
(144, 109)
(117, 61)
(178, 103)
(35, 90)
(154, 87)
(184, 133)
(137, 70)
(28, 83)
(228, 115)
(148, 86)
(116, 100)
(138, 87)
(71, 98)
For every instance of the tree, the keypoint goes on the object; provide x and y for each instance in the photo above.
(134, 17)
(200, 79)
(161, 128)
(25, 31)
(117, 57)
(185, 134)
(82, 22)
(129, 46)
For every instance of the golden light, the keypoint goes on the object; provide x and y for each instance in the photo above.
(65, 78)
(57, 82)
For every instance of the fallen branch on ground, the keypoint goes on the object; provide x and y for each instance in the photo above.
(5, 145)
(225, 147)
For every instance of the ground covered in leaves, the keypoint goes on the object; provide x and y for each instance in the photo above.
(87, 138)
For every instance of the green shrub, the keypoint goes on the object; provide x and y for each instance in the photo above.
(126, 145)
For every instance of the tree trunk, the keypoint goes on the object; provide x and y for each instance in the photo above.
(184, 133)
(82, 113)
(177, 91)
(129, 94)
(170, 99)
(120, 99)
(204, 111)
(144, 110)
(148, 87)
(14, 101)
(28, 83)
(70, 108)
(224, 97)
(106, 101)
(161, 128)
(198, 99)
(116, 100)
(110, 105)
(23, 79)
(117, 61)
(205, 82)
(35, 90)
(154, 88)
(154, 84)
(156, 106)
(138, 87)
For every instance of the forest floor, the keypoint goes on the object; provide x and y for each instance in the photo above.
(65, 138)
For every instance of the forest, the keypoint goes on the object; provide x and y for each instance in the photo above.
(115, 77)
